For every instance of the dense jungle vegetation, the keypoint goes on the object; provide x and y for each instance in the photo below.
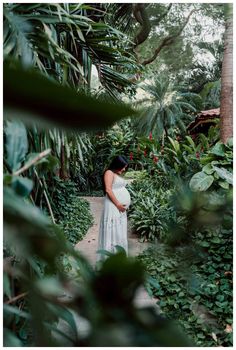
(85, 82)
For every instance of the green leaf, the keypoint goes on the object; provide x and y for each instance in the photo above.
(22, 185)
(14, 310)
(230, 142)
(153, 282)
(104, 252)
(201, 181)
(49, 286)
(6, 285)
(49, 164)
(191, 142)
(56, 104)
(16, 144)
(218, 149)
(10, 339)
(224, 184)
(208, 169)
(7, 179)
(224, 174)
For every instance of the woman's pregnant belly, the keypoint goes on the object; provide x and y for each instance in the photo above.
(123, 196)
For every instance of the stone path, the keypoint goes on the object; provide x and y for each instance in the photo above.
(88, 246)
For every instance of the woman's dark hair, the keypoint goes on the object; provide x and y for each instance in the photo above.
(118, 163)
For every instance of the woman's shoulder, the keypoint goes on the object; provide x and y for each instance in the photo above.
(108, 172)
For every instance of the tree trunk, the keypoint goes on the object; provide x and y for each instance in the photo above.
(226, 102)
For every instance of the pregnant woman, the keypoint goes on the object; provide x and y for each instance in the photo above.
(113, 223)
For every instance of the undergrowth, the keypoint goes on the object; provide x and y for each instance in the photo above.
(194, 286)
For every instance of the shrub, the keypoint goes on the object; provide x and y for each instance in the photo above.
(151, 210)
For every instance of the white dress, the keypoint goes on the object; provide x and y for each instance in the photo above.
(113, 223)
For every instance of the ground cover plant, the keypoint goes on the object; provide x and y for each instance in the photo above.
(199, 296)
(71, 212)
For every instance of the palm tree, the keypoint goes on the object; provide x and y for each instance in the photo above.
(165, 109)
(226, 105)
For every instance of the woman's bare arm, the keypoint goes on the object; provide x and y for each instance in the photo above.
(108, 179)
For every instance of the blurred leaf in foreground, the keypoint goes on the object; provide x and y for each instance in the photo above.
(29, 94)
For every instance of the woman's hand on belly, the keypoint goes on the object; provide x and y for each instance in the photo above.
(121, 207)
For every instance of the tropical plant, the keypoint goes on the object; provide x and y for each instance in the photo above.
(210, 95)
(63, 42)
(167, 109)
(35, 279)
(217, 168)
(151, 210)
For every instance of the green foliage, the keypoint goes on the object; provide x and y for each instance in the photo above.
(177, 159)
(64, 40)
(211, 95)
(151, 210)
(165, 110)
(201, 181)
(217, 167)
(104, 146)
(194, 285)
(48, 99)
(16, 144)
(72, 213)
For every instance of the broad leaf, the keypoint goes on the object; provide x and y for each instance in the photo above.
(22, 185)
(59, 105)
(201, 181)
(208, 169)
(10, 339)
(16, 144)
(218, 149)
(224, 184)
(224, 174)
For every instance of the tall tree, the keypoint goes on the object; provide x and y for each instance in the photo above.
(226, 106)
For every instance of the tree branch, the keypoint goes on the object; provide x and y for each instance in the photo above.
(141, 16)
(32, 162)
(10, 301)
(168, 40)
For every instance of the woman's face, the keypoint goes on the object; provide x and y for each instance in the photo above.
(121, 170)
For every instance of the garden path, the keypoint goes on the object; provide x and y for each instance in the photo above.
(88, 246)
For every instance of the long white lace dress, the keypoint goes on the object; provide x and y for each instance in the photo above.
(113, 223)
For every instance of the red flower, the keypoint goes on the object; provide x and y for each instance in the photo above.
(150, 136)
(145, 153)
(198, 155)
(131, 156)
(155, 159)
